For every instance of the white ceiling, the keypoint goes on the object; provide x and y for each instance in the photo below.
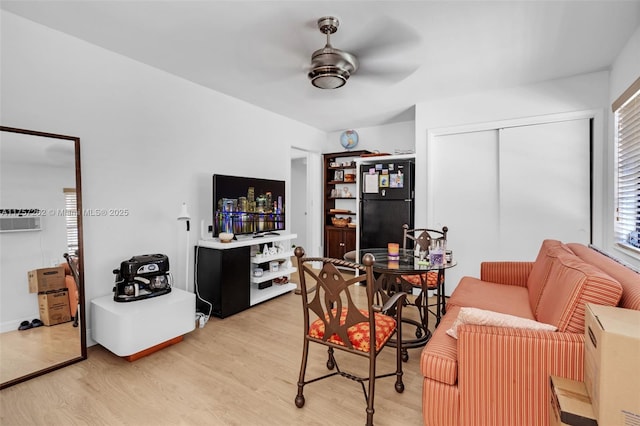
(257, 51)
(18, 149)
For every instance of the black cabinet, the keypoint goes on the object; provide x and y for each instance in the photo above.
(223, 279)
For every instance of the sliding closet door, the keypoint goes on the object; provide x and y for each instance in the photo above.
(501, 192)
(544, 186)
(463, 195)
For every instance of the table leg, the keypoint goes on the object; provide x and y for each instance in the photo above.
(441, 309)
(389, 284)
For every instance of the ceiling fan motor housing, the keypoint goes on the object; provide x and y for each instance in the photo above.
(328, 24)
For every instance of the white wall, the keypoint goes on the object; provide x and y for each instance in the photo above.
(624, 71)
(387, 138)
(587, 92)
(149, 141)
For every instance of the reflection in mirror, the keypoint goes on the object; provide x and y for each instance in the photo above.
(42, 324)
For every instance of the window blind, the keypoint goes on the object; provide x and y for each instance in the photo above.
(627, 122)
(71, 217)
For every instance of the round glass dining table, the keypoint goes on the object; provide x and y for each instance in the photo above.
(388, 272)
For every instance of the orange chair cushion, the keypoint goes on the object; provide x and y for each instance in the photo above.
(359, 334)
(431, 278)
(70, 283)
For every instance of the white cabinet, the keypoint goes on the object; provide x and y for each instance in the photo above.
(264, 263)
(224, 273)
(258, 293)
(127, 329)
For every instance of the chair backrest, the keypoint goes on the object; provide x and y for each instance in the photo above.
(422, 237)
(329, 296)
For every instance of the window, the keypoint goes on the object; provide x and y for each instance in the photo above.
(71, 218)
(627, 127)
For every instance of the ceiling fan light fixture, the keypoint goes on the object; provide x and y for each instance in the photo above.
(328, 77)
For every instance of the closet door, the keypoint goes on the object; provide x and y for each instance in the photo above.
(463, 195)
(502, 192)
(544, 186)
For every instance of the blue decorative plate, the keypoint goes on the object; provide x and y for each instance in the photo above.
(349, 139)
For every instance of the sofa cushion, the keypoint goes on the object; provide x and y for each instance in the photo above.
(496, 319)
(628, 279)
(541, 267)
(504, 298)
(439, 358)
(571, 284)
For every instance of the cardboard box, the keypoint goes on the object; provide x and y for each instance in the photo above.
(54, 307)
(46, 279)
(569, 403)
(611, 363)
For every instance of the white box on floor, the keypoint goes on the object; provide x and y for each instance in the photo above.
(126, 328)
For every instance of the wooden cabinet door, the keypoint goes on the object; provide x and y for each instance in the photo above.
(333, 243)
(339, 241)
(349, 240)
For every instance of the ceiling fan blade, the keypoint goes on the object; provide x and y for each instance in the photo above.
(380, 73)
(282, 57)
(383, 35)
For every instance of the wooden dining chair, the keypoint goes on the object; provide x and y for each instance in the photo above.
(337, 316)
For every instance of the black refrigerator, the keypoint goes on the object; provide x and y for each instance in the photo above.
(386, 202)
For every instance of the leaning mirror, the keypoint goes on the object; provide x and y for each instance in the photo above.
(42, 321)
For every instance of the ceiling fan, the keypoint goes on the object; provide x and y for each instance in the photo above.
(331, 67)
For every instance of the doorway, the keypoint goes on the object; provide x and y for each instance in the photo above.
(305, 184)
(298, 202)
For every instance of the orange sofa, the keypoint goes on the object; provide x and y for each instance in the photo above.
(499, 375)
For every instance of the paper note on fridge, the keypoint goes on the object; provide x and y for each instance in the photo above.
(370, 184)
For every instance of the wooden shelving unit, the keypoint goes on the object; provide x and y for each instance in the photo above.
(339, 197)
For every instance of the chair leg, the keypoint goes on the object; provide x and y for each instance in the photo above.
(303, 369)
(422, 304)
(372, 388)
(331, 361)
(77, 317)
(399, 359)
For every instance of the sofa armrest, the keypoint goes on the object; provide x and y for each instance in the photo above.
(513, 273)
(503, 373)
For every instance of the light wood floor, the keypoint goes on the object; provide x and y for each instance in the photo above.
(25, 351)
(240, 370)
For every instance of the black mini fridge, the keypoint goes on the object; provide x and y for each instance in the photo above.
(386, 202)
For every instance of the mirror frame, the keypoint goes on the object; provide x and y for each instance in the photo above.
(81, 297)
